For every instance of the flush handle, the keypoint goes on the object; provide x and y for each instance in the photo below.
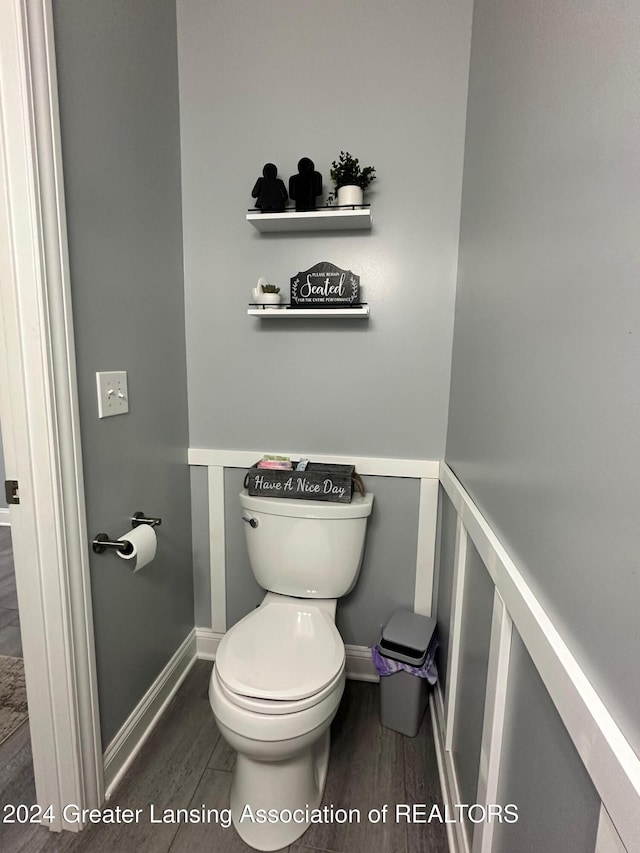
(252, 521)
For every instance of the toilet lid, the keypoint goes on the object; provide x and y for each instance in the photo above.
(284, 651)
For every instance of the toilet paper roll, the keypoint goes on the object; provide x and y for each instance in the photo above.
(144, 541)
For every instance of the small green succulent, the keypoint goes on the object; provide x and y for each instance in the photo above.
(269, 288)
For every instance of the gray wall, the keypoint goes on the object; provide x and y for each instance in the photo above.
(541, 772)
(274, 82)
(544, 414)
(117, 69)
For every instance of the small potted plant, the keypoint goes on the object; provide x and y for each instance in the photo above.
(350, 180)
(268, 295)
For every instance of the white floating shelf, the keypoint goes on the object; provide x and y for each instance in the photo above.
(285, 311)
(313, 220)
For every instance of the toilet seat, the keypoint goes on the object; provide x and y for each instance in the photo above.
(286, 651)
(270, 727)
(280, 706)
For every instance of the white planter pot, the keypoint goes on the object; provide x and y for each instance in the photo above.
(270, 300)
(350, 195)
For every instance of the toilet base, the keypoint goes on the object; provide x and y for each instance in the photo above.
(270, 800)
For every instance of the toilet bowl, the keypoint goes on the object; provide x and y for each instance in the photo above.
(279, 673)
(275, 688)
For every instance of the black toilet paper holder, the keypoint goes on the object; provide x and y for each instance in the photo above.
(139, 518)
(103, 541)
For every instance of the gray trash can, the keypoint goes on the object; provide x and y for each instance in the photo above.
(403, 695)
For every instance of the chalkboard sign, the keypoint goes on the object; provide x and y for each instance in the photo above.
(318, 482)
(325, 286)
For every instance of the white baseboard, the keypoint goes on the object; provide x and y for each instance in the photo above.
(124, 747)
(207, 642)
(5, 517)
(456, 833)
(360, 664)
(608, 840)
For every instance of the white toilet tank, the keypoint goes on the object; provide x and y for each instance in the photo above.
(309, 549)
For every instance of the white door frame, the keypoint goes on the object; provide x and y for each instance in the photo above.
(40, 421)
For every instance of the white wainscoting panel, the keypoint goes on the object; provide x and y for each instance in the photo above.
(455, 632)
(611, 763)
(217, 551)
(425, 557)
(427, 471)
(376, 466)
(494, 710)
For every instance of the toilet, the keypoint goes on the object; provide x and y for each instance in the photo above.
(279, 673)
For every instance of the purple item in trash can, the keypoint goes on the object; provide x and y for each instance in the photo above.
(387, 666)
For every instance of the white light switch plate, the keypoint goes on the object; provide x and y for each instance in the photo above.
(113, 396)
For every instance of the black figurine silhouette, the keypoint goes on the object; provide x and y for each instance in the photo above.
(306, 185)
(270, 192)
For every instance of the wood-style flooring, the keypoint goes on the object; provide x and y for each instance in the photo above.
(10, 642)
(185, 763)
